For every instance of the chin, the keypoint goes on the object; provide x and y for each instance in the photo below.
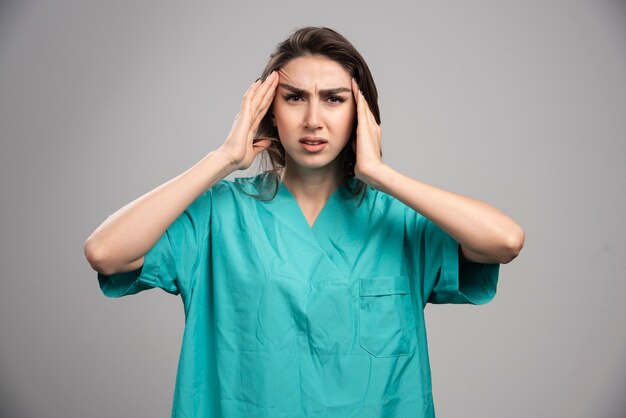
(312, 162)
(313, 166)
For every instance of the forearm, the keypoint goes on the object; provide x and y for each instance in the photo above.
(484, 232)
(129, 233)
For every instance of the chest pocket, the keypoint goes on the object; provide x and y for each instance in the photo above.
(386, 322)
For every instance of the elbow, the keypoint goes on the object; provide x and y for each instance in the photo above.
(512, 245)
(95, 257)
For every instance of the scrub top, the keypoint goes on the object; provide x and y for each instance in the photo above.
(287, 320)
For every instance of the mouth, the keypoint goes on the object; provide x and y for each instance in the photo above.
(313, 144)
(312, 140)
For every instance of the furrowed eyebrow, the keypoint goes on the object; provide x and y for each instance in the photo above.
(324, 92)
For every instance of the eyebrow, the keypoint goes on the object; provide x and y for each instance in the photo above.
(323, 92)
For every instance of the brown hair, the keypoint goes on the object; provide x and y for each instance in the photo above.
(330, 44)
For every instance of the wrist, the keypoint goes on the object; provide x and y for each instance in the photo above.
(375, 176)
(229, 163)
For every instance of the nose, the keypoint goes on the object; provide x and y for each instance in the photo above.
(312, 118)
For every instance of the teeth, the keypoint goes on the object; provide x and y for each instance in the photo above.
(312, 143)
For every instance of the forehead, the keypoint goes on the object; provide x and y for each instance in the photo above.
(314, 71)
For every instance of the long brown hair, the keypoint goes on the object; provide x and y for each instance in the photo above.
(330, 44)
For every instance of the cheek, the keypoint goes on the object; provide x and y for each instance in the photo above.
(283, 115)
(284, 123)
(345, 121)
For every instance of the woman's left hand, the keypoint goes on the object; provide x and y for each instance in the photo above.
(368, 140)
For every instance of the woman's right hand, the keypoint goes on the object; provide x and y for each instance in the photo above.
(120, 243)
(239, 147)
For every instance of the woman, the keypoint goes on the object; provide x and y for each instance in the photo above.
(304, 286)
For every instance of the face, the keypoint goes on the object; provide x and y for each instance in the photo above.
(313, 102)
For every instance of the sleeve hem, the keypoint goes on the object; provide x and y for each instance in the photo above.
(471, 282)
(143, 278)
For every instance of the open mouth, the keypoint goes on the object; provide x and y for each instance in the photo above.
(311, 140)
(313, 145)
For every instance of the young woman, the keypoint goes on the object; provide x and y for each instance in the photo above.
(304, 286)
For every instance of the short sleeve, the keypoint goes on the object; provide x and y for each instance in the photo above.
(437, 268)
(171, 262)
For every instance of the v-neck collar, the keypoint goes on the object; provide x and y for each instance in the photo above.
(316, 248)
(327, 206)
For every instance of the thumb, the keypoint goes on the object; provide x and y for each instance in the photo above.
(260, 145)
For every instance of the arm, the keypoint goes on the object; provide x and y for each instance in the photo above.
(120, 243)
(485, 234)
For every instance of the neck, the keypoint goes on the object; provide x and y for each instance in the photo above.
(310, 185)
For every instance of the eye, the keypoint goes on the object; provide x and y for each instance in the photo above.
(336, 99)
(292, 98)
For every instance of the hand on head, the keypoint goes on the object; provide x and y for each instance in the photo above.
(367, 146)
(240, 145)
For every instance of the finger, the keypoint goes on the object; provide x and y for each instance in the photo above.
(265, 104)
(264, 138)
(259, 117)
(370, 114)
(261, 92)
(362, 107)
(268, 96)
(261, 145)
(355, 91)
(358, 98)
(359, 104)
(253, 87)
(246, 96)
(250, 104)
(367, 111)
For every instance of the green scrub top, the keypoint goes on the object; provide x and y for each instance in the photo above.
(287, 320)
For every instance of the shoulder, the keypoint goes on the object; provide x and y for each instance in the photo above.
(391, 207)
(239, 187)
(386, 202)
(377, 207)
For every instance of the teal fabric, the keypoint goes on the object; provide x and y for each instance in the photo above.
(287, 320)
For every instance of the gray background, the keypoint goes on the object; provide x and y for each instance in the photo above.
(520, 104)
